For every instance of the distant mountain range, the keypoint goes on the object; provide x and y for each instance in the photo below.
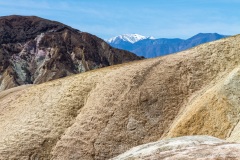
(150, 47)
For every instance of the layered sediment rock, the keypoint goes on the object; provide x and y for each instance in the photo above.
(187, 147)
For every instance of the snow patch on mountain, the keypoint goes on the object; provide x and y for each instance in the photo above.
(132, 38)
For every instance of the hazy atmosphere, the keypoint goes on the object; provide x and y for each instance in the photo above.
(158, 18)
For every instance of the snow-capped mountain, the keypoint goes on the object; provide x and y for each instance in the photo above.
(150, 47)
(131, 38)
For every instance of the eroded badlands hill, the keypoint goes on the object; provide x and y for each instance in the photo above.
(35, 50)
(103, 113)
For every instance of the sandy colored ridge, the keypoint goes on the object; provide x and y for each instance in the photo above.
(103, 113)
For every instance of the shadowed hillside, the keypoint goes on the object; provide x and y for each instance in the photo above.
(35, 50)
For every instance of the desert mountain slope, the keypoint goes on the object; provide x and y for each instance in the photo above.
(103, 113)
(35, 50)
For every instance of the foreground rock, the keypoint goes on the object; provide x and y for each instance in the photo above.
(103, 113)
(35, 50)
(188, 147)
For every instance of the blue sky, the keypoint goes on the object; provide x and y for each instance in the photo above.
(158, 18)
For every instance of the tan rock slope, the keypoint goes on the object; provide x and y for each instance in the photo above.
(103, 113)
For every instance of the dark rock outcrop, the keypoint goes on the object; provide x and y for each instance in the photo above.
(35, 50)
